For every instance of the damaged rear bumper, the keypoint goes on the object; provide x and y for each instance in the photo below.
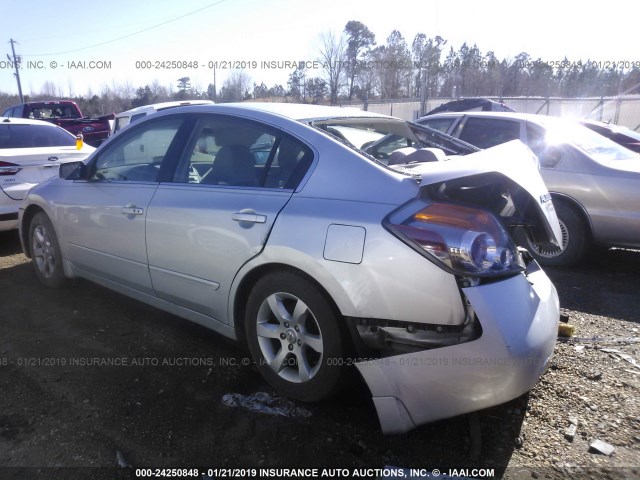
(519, 318)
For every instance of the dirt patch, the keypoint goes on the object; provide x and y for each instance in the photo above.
(90, 378)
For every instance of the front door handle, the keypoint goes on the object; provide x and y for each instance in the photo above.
(131, 210)
(249, 216)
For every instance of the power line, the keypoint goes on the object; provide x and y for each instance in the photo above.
(126, 36)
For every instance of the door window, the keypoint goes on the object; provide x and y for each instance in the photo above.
(239, 153)
(139, 154)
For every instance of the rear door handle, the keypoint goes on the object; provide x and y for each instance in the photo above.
(251, 217)
(132, 210)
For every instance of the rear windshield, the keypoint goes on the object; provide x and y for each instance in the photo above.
(55, 110)
(380, 138)
(593, 144)
(30, 136)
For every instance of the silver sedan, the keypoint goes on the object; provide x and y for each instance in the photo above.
(268, 224)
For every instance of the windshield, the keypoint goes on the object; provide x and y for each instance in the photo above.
(593, 144)
(381, 137)
(33, 136)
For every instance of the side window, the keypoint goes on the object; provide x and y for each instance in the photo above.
(8, 112)
(291, 162)
(484, 132)
(137, 116)
(440, 124)
(535, 139)
(138, 155)
(17, 111)
(231, 152)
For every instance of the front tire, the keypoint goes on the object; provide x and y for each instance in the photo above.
(45, 251)
(574, 242)
(294, 337)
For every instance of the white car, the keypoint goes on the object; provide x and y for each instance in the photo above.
(31, 151)
(125, 118)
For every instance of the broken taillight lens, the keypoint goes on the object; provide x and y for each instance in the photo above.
(464, 240)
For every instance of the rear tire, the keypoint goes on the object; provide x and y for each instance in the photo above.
(294, 337)
(45, 251)
(574, 241)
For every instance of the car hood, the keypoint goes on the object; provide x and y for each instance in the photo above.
(513, 160)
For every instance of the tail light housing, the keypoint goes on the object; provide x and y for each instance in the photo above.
(7, 168)
(463, 240)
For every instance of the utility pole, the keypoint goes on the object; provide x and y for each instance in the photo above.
(215, 91)
(15, 64)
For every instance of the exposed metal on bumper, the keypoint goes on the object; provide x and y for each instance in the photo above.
(519, 318)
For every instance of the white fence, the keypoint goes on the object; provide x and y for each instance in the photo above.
(623, 110)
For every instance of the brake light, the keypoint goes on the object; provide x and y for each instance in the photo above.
(7, 168)
(465, 240)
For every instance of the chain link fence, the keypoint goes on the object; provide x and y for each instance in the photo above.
(620, 110)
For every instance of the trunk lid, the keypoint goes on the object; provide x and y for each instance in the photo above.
(504, 179)
(36, 165)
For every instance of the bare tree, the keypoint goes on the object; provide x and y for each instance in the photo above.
(332, 54)
(236, 87)
(49, 89)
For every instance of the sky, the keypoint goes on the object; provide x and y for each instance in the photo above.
(83, 47)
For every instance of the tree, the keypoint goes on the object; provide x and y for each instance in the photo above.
(332, 53)
(394, 67)
(296, 83)
(143, 97)
(236, 87)
(316, 89)
(359, 42)
(184, 85)
(211, 92)
(260, 91)
(426, 53)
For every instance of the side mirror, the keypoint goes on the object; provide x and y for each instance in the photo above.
(72, 170)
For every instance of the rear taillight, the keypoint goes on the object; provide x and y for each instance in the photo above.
(465, 240)
(7, 168)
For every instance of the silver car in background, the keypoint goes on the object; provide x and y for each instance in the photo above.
(594, 182)
(266, 223)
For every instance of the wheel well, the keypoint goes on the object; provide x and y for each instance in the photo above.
(577, 208)
(244, 289)
(29, 213)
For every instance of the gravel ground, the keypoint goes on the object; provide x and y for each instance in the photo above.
(79, 421)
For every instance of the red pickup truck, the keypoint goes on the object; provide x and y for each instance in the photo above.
(67, 115)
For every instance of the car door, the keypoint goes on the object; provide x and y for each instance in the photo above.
(219, 208)
(103, 216)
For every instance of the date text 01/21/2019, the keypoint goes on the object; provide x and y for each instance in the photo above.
(227, 64)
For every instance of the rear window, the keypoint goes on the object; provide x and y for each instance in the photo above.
(488, 132)
(593, 144)
(30, 136)
(55, 110)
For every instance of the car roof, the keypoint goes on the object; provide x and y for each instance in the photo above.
(155, 107)
(465, 104)
(25, 121)
(515, 115)
(301, 111)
